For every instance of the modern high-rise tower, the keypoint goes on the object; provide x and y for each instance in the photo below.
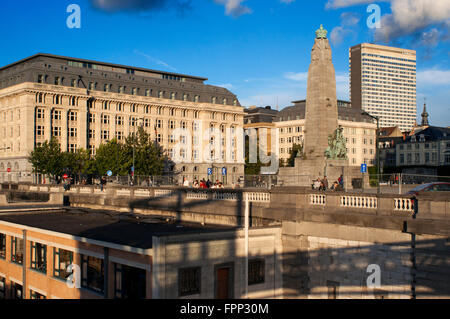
(383, 83)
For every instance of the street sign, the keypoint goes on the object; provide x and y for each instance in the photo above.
(132, 168)
(8, 169)
(209, 171)
(65, 176)
(363, 168)
(109, 173)
(224, 171)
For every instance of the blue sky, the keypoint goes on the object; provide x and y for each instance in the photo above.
(258, 49)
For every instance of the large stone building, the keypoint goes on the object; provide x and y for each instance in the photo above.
(426, 152)
(84, 103)
(383, 83)
(358, 129)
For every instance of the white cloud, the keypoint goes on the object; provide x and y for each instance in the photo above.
(155, 60)
(336, 4)
(301, 76)
(348, 21)
(412, 16)
(287, 1)
(433, 77)
(227, 86)
(234, 8)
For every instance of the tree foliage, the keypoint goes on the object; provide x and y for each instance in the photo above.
(149, 158)
(47, 159)
(293, 154)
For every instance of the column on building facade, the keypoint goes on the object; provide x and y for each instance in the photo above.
(64, 129)
(82, 127)
(48, 123)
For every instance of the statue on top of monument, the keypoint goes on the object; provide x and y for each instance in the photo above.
(336, 145)
(321, 33)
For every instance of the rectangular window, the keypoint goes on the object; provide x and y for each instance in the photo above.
(105, 135)
(56, 115)
(129, 282)
(39, 257)
(2, 287)
(73, 132)
(105, 119)
(39, 130)
(16, 291)
(72, 116)
(119, 120)
(40, 114)
(256, 272)
(333, 289)
(3, 246)
(61, 260)
(91, 133)
(36, 295)
(92, 273)
(56, 131)
(17, 249)
(189, 281)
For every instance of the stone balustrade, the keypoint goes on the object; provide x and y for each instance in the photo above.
(404, 204)
(358, 201)
(317, 199)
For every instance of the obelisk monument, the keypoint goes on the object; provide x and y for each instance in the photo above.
(321, 116)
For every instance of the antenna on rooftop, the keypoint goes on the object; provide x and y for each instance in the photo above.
(277, 103)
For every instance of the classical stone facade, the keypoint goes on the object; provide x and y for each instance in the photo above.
(85, 103)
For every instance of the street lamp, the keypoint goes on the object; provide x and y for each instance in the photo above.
(377, 146)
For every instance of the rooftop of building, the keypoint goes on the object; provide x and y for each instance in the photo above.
(430, 133)
(345, 112)
(94, 62)
(107, 226)
(383, 47)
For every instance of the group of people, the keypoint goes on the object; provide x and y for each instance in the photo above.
(203, 183)
(322, 184)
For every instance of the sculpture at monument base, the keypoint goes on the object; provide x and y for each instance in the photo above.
(336, 145)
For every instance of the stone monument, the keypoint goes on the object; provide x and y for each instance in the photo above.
(324, 149)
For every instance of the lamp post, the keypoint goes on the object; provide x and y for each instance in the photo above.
(377, 146)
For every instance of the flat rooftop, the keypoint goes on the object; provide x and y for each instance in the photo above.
(113, 227)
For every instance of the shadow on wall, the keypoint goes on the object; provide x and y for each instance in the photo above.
(321, 267)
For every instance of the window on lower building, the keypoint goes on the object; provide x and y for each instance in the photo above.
(189, 282)
(36, 295)
(17, 249)
(92, 273)
(39, 257)
(16, 291)
(2, 246)
(61, 260)
(256, 272)
(2, 288)
(333, 289)
(129, 282)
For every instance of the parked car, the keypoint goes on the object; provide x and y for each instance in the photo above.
(430, 187)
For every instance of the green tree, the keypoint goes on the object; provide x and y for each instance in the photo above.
(78, 162)
(293, 154)
(47, 159)
(109, 156)
(149, 156)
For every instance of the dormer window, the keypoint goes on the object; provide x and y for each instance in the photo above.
(413, 138)
(422, 138)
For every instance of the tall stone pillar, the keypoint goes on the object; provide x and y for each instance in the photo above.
(321, 118)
